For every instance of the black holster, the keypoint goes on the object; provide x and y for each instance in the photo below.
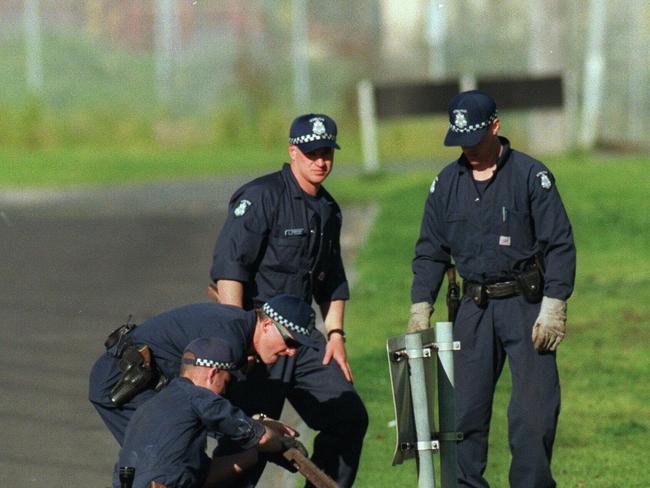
(453, 294)
(531, 283)
(138, 374)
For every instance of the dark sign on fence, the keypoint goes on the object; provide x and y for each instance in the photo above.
(413, 98)
(524, 93)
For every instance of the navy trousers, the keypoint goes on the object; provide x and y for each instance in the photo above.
(322, 397)
(488, 337)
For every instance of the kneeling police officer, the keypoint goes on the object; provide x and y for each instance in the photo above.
(164, 445)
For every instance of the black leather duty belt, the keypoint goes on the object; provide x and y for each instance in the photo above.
(480, 292)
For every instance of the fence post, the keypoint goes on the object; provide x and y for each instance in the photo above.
(368, 126)
(34, 62)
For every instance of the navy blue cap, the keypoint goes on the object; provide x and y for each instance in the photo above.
(313, 131)
(295, 315)
(470, 116)
(211, 352)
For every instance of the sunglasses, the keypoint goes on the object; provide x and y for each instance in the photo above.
(289, 341)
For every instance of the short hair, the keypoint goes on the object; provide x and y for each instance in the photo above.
(261, 314)
(186, 368)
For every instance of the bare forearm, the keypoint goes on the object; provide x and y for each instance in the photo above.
(333, 313)
(231, 292)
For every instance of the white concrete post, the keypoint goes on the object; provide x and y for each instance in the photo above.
(368, 126)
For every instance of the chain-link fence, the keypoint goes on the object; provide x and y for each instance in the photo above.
(124, 66)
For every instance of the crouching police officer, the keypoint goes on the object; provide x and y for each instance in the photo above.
(282, 236)
(164, 444)
(140, 360)
(497, 212)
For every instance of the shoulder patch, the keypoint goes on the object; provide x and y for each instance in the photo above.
(433, 185)
(544, 180)
(241, 208)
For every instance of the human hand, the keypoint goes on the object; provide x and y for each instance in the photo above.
(275, 434)
(335, 349)
(550, 326)
(281, 459)
(420, 316)
(280, 427)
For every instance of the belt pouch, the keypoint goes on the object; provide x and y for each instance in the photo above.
(531, 283)
(478, 293)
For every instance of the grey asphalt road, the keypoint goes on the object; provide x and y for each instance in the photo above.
(74, 266)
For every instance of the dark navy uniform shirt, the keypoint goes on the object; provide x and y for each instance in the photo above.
(166, 438)
(494, 231)
(169, 333)
(274, 242)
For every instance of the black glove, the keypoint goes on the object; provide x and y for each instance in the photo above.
(278, 457)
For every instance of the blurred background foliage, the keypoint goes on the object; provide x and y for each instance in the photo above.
(173, 75)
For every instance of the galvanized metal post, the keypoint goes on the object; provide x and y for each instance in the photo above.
(416, 354)
(446, 404)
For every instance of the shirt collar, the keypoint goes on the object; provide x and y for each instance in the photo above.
(503, 159)
(294, 187)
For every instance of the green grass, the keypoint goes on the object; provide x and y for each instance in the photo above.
(65, 167)
(604, 431)
(141, 158)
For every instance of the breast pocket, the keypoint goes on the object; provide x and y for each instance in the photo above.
(289, 241)
(285, 253)
(516, 233)
(457, 232)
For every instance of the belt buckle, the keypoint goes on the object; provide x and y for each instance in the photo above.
(502, 289)
(496, 288)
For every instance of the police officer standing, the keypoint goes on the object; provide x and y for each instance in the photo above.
(498, 214)
(282, 236)
(165, 440)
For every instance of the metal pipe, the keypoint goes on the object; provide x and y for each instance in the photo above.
(416, 356)
(446, 404)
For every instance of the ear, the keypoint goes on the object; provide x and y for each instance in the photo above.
(496, 125)
(267, 324)
(292, 152)
(212, 374)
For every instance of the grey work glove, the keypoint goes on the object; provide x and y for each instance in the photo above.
(550, 326)
(420, 316)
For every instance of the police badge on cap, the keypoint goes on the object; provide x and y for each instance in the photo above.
(470, 115)
(313, 131)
